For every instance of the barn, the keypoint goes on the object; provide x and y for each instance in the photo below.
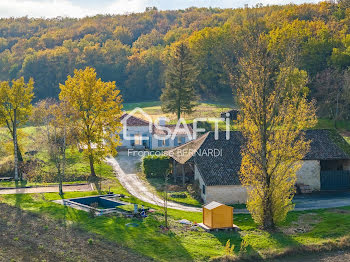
(216, 164)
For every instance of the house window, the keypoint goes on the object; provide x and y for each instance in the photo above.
(180, 140)
(145, 141)
(138, 140)
(203, 189)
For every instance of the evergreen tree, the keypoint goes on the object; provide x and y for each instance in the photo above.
(179, 95)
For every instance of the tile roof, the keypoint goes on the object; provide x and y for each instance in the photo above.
(133, 120)
(180, 131)
(224, 169)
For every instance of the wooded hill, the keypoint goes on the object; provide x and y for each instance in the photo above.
(132, 49)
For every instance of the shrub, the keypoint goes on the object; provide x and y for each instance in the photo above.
(155, 166)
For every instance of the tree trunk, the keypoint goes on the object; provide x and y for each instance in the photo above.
(174, 170)
(268, 223)
(15, 146)
(183, 175)
(166, 201)
(63, 162)
(19, 154)
(92, 168)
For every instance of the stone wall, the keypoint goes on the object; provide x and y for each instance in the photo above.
(309, 174)
(235, 194)
(198, 177)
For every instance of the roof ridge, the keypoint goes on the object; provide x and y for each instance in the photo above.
(183, 158)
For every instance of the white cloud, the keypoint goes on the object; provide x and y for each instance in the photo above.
(54, 8)
(47, 8)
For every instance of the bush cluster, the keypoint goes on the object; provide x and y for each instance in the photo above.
(155, 166)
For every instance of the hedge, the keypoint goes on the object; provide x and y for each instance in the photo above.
(155, 166)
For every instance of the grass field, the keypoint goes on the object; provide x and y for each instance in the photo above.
(206, 110)
(319, 229)
(180, 243)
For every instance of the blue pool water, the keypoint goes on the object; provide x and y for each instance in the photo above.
(102, 204)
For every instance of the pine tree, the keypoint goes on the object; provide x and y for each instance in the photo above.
(179, 95)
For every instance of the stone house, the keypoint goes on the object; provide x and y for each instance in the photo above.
(216, 164)
(142, 134)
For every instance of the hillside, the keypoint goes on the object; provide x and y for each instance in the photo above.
(132, 49)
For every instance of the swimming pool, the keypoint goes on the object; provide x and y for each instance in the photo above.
(102, 204)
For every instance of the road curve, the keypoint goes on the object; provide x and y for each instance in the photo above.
(124, 168)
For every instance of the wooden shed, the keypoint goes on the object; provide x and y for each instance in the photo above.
(217, 215)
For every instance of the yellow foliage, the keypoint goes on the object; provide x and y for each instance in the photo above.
(275, 113)
(97, 106)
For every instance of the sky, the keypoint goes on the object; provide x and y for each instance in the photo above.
(81, 8)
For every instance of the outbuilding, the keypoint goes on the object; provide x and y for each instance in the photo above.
(216, 163)
(217, 215)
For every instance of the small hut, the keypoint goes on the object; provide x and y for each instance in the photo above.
(217, 215)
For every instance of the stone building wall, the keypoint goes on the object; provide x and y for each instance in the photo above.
(309, 174)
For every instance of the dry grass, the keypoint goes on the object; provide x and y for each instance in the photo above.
(30, 237)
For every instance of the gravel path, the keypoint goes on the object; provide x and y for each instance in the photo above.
(125, 168)
(48, 189)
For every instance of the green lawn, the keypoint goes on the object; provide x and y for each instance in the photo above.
(157, 184)
(182, 244)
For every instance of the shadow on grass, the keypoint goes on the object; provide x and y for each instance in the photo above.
(251, 243)
(146, 239)
(20, 183)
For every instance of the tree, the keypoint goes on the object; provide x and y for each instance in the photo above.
(15, 107)
(274, 113)
(123, 34)
(97, 106)
(60, 137)
(331, 92)
(179, 95)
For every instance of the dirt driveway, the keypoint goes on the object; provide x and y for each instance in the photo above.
(125, 169)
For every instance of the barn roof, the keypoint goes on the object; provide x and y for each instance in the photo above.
(224, 168)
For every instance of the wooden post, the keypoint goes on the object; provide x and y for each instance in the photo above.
(174, 170)
(183, 174)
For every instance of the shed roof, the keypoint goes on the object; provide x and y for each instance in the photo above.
(212, 205)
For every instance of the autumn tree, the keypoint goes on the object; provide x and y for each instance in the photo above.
(15, 107)
(179, 95)
(332, 94)
(274, 114)
(97, 106)
(60, 137)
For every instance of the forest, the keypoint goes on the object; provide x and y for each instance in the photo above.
(133, 49)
